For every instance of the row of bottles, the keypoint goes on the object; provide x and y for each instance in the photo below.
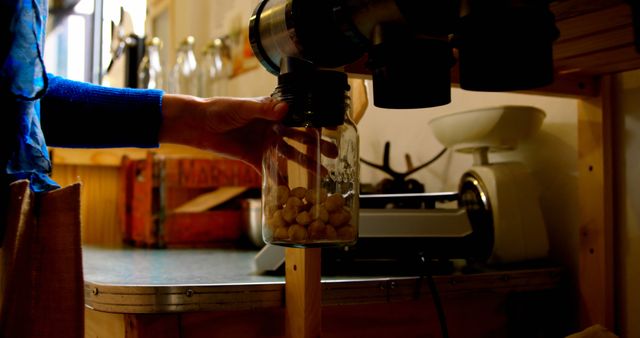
(206, 77)
(150, 70)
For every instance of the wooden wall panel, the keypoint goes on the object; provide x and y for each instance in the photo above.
(100, 225)
(595, 168)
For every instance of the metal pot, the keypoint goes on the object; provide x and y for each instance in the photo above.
(252, 220)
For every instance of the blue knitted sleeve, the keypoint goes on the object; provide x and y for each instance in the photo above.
(82, 115)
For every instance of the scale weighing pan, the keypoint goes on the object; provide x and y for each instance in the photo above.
(495, 128)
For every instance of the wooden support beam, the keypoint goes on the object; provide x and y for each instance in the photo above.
(596, 219)
(303, 293)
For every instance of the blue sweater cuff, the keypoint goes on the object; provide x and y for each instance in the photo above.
(82, 115)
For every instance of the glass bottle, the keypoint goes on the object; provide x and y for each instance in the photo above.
(150, 70)
(184, 75)
(216, 68)
(310, 188)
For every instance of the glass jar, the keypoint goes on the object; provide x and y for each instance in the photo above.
(310, 188)
(184, 75)
(150, 70)
(216, 68)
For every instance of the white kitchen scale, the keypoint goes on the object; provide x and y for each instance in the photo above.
(497, 218)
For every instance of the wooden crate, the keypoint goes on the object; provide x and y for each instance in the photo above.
(153, 189)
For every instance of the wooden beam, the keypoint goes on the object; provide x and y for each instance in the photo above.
(564, 9)
(210, 200)
(601, 21)
(112, 157)
(596, 218)
(601, 41)
(568, 85)
(303, 293)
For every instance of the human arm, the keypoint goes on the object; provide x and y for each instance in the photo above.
(236, 127)
(82, 115)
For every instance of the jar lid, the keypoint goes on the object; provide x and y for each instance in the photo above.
(155, 41)
(316, 98)
(188, 41)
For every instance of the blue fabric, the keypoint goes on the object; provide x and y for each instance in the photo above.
(74, 114)
(23, 78)
(83, 115)
(23, 71)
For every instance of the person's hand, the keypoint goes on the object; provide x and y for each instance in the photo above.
(234, 127)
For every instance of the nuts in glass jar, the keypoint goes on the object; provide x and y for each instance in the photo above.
(314, 196)
(282, 194)
(334, 202)
(340, 217)
(299, 192)
(277, 221)
(301, 215)
(303, 218)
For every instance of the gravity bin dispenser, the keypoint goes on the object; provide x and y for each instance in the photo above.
(410, 47)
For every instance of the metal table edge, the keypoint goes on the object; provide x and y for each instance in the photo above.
(139, 299)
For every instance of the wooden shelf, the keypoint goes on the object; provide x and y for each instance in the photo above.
(596, 38)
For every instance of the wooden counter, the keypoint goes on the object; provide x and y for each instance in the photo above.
(214, 293)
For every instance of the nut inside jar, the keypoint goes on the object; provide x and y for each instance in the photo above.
(316, 217)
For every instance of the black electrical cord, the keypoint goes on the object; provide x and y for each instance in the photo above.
(442, 319)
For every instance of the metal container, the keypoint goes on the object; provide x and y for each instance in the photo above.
(252, 220)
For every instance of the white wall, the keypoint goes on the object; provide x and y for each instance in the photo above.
(257, 82)
(207, 19)
(628, 208)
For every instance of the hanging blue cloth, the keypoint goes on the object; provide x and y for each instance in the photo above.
(23, 79)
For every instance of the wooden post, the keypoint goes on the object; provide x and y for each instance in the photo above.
(303, 292)
(595, 150)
